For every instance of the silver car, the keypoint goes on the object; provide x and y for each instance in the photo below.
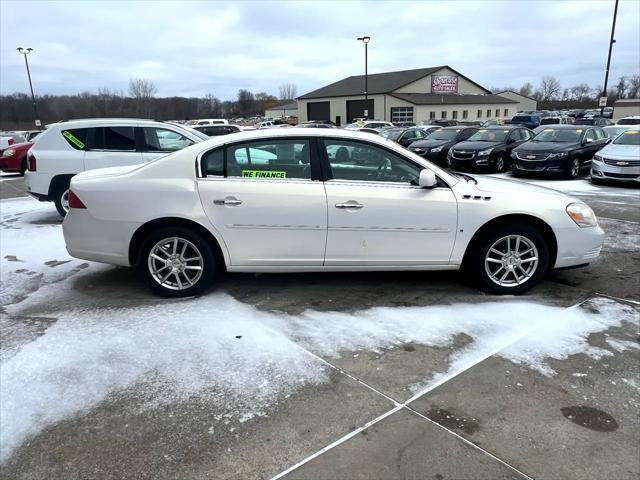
(620, 160)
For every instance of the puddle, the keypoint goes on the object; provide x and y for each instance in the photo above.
(590, 418)
(453, 422)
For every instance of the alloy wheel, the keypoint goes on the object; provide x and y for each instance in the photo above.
(575, 168)
(500, 163)
(511, 261)
(64, 200)
(175, 263)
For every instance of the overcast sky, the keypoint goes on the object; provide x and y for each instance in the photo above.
(192, 48)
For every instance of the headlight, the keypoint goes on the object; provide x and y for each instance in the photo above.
(598, 158)
(437, 149)
(8, 152)
(482, 153)
(582, 214)
(558, 155)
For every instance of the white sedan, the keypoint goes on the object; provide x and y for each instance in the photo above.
(294, 200)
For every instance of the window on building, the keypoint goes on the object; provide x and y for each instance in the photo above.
(443, 114)
(432, 115)
(479, 113)
(455, 114)
(488, 113)
(506, 112)
(401, 114)
(465, 114)
(497, 112)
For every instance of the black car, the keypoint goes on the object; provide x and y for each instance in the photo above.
(217, 130)
(560, 150)
(597, 121)
(488, 149)
(444, 123)
(404, 124)
(403, 136)
(436, 146)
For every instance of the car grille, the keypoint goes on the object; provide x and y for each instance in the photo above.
(531, 156)
(622, 163)
(529, 165)
(462, 154)
(621, 175)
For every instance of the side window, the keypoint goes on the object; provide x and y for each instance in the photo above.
(517, 135)
(467, 133)
(600, 135)
(364, 162)
(76, 137)
(270, 159)
(213, 163)
(590, 135)
(164, 140)
(114, 138)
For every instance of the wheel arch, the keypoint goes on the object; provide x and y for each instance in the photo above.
(141, 233)
(543, 227)
(58, 182)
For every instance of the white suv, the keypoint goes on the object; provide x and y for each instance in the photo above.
(71, 147)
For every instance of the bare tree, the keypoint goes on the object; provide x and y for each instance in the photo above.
(288, 91)
(526, 90)
(633, 90)
(143, 90)
(581, 92)
(549, 88)
(621, 87)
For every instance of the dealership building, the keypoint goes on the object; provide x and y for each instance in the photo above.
(416, 95)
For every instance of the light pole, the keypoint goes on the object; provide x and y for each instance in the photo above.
(611, 42)
(25, 52)
(365, 40)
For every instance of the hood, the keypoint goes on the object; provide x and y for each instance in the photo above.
(499, 185)
(108, 172)
(429, 143)
(631, 152)
(476, 145)
(546, 147)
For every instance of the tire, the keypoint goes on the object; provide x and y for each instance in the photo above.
(23, 166)
(480, 267)
(500, 164)
(61, 200)
(572, 171)
(161, 244)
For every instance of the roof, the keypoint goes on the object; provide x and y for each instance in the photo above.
(629, 102)
(516, 93)
(285, 105)
(449, 98)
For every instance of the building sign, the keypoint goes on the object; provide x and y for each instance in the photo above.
(444, 83)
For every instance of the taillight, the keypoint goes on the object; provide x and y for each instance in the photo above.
(74, 201)
(32, 162)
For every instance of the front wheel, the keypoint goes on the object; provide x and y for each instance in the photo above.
(500, 164)
(510, 259)
(62, 201)
(177, 262)
(573, 168)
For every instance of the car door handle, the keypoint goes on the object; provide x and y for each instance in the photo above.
(349, 205)
(230, 201)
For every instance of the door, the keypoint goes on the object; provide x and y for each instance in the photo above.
(377, 215)
(266, 200)
(318, 111)
(359, 109)
(111, 147)
(157, 142)
(410, 136)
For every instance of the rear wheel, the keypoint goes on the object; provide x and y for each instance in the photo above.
(61, 200)
(177, 262)
(509, 259)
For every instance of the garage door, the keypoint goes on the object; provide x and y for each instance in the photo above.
(356, 109)
(318, 111)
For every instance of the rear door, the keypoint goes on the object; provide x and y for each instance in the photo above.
(377, 215)
(266, 199)
(111, 146)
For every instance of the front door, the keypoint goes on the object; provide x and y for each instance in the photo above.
(266, 202)
(377, 215)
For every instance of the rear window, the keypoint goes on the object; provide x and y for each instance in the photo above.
(629, 121)
(76, 137)
(522, 118)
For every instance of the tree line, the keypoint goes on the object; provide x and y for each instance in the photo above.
(140, 101)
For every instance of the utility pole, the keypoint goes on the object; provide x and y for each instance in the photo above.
(25, 52)
(365, 40)
(606, 74)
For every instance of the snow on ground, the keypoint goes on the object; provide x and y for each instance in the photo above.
(239, 360)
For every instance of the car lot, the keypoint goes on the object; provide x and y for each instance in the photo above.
(386, 375)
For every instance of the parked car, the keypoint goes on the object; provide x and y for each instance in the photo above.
(597, 121)
(332, 216)
(436, 145)
(444, 123)
(613, 131)
(530, 121)
(488, 149)
(632, 120)
(272, 124)
(404, 124)
(320, 122)
(7, 139)
(620, 160)
(470, 123)
(315, 125)
(207, 121)
(216, 130)
(356, 125)
(427, 129)
(559, 150)
(27, 135)
(403, 136)
(375, 131)
(67, 148)
(556, 121)
(14, 157)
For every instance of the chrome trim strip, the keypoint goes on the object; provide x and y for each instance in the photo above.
(276, 227)
(390, 229)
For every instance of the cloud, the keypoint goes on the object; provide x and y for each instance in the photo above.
(194, 48)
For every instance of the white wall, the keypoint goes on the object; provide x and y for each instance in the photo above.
(621, 110)
(524, 104)
(423, 111)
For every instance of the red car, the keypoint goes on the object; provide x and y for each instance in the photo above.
(14, 157)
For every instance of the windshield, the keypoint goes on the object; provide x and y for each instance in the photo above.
(630, 137)
(391, 134)
(493, 135)
(443, 135)
(613, 132)
(558, 135)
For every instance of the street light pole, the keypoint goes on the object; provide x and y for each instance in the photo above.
(25, 52)
(365, 40)
(611, 42)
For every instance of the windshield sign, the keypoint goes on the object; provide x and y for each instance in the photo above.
(558, 135)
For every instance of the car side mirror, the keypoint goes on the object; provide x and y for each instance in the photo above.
(586, 141)
(427, 179)
(511, 140)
